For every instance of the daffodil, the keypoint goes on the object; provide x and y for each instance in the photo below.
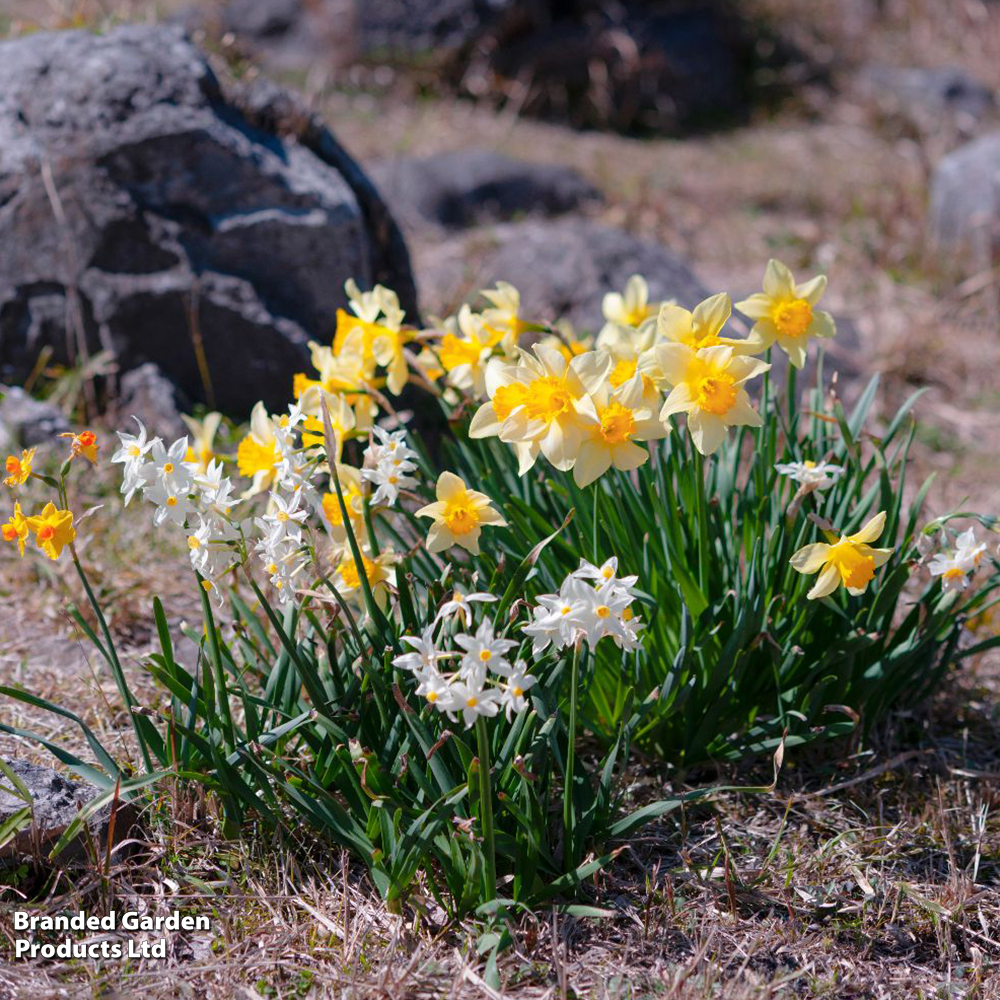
(708, 387)
(202, 448)
(703, 327)
(16, 529)
(53, 529)
(19, 469)
(258, 454)
(504, 316)
(541, 404)
(786, 313)
(566, 341)
(346, 374)
(383, 339)
(633, 308)
(465, 347)
(849, 560)
(84, 443)
(622, 420)
(379, 570)
(353, 490)
(343, 420)
(459, 515)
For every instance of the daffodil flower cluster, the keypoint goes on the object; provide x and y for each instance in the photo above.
(593, 603)
(957, 567)
(476, 678)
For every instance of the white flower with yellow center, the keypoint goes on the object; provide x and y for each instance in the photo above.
(470, 700)
(459, 515)
(622, 419)
(503, 320)
(953, 571)
(460, 605)
(708, 387)
(172, 504)
(786, 313)
(849, 560)
(466, 346)
(484, 652)
(969, 550)
(811, 475)
(702, 327)
(513, 694)
(131, 454)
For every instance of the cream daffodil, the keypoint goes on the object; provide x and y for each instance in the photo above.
(459, 515)
(504, 318)
(465, 348)
(633, 308)
(202, 448)
(702, 327)
(541, 402)
(707, 385)
(786, 313)
(380, 571)
(849, 560)
(622, 419)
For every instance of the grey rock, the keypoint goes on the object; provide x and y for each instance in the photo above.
(55, 803)
(27, 422)
(470, 186)
(964, 218)
(562, 268)
(182, 218)
(145, 392)
(928, 98)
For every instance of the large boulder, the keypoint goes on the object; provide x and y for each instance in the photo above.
(469, 186)
(145, 209)
(965, 202)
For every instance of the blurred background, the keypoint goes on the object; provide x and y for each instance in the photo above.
(557, 144)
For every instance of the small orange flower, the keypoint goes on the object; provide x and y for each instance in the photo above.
(19, 469)
(84, 443)
(16, 529)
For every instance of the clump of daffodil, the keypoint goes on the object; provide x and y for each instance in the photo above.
(786, 313)
(703, 326)
(541, 404)
(53, 530)
(202, 447)
(459, 515)
(708, 386)
(849, 560)
(16, 530)
(19, 469)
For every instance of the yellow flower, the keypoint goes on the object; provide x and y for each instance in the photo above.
(258, 455)
(19, 469)
(203, 432)
(633, 308)
(459, 515)
(541, 404)
(380, 571)
(382, 342)
(16, 529)
(622, 419)
(84, 443)
(464, 350)
(352, 487)
(504, 318)
(786, 313)
(702, 328)
(52, 529)
(849, 560)
(708, 387)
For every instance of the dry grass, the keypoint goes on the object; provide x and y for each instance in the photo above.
(871, 874)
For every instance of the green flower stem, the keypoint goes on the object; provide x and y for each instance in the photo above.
(486, 808)
(702, 517)
(569, 862)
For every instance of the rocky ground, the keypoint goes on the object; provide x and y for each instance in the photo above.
(875, 877)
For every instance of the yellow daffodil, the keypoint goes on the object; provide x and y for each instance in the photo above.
(504, 318)
(541, 404)
(708, 387)
(622, 419)
(203, 432)
(464, 350)
(459, 515)
(849, 560)
(633, 308)
(258, 455)
(16, 529)
(380, 571)
(352, 486)
(53, 529)
(786, 313)
(702, 327)
(84, 443)
(382, 339)
(19, 469)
